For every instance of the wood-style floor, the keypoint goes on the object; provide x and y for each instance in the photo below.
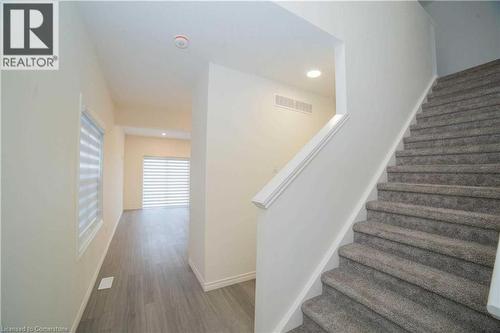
(154, 290)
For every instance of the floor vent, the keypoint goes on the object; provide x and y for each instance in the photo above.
(106, 283)
(292, 104)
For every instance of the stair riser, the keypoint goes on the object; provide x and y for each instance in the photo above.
(459, 231)
(481, 112)
(456, 127)
(459, 267)
(465, 95)
(466, 179)
(382, 323)
(475, 320)
(445, 89)
(473, 140)
(467, 77)
(465, 105)
(482, 205)
(311, 327)
(473, 158)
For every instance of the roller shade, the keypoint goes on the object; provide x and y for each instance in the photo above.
(90, 178)
(165, 182)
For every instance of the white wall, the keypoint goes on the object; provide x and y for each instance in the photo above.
(197, 191)
(389, 64)
(467, 33)
(136, 147)
(153, 118)
(247, 139)
(44, 283)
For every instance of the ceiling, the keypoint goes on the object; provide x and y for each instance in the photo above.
(134, 42)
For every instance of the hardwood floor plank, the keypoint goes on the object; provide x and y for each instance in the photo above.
(154, 289)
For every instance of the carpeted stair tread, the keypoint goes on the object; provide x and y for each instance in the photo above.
(469, 251)
(410, 315)
(457, 120)
(447, 112)
(458, 289)
(471, 73)
(453, 135)
(463, 105)
(484, 199)
(489, 89)
(462, 126)
(475, 219)
(446, 174)
(444, 168)
(454, 190)
(333, 317)
(484, 148)
(435, 176)
(440, 90)
(466, 93)
(488, 112)
(481, 139)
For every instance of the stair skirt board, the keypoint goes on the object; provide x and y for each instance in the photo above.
(421, 258)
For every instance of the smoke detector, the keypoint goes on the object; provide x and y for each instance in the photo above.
(181, 41)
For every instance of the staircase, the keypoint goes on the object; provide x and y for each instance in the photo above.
(422, 262)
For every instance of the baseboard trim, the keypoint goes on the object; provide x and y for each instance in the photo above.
(197, 273)
(86, 297)
(207, 286)
(229, 281)
(290, 320)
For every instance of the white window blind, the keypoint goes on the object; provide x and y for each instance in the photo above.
(165, 182)
(90, 181)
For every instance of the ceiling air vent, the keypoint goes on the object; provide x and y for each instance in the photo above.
(292, 104)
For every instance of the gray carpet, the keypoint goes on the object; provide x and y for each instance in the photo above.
(423, 259)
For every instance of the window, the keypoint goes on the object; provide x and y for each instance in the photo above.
(165, 182)
(90, 181)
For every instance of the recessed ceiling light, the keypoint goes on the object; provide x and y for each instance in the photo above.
(163, 134)
(313, 73)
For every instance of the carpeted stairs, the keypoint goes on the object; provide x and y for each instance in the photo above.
(422, 262)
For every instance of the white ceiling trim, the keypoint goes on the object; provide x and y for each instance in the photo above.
(158, 133)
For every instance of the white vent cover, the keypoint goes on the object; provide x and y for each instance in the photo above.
(292, 104)
(106, 283)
